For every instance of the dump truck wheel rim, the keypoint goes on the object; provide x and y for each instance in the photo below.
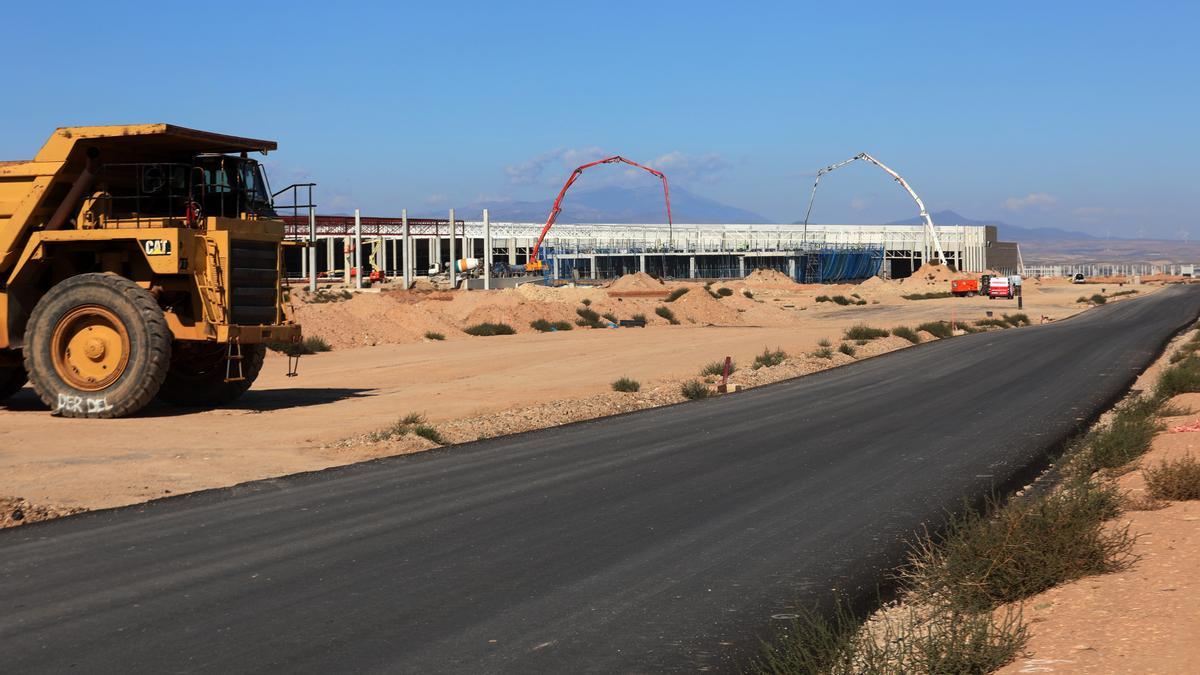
(90, 348)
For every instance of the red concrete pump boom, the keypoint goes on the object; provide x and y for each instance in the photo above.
(534, 264)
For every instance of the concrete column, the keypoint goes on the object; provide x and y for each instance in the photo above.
(487, 251)
(358, 270)
(436, 257)
(642, 262)
(407, 263)
(512, 251)
(453, 251)
(692, 267)
(592, 266)
(311, 253)
(742, 266)
(329, 259)
(792, 267)
(304, 264)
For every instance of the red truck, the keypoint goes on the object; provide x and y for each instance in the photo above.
(1000, 287)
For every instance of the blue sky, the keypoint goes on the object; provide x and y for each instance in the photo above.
(1079, 115)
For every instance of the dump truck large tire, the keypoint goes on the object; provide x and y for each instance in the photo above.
(12, 378)
(197, 374)
(98, 346)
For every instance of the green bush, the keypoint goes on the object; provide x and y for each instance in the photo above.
(1179, 479)
(626, 385)
(586, 302)
(995, 323)
(842, 300)
(1181, 378)
(717, 368)
(823, 353)
(824, 298)
(824, 342)
(666, 314)
(589, 318)
(1018, 319)
(610, 317)
(431, 335)
(545, 326)
(411, 423)
(769, 358)
(309, 345)
(487, 329)
(907, 333)
(430, 433)
(676, 294)
(1098, 299)
(694, 389)
(861, 332)
(846, 349)
(936, 639)
(928, 296)
(1015, 550)
(939, 329)
(724, 292)
(1127, 437)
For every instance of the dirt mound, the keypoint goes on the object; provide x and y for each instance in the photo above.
(872, 284)
(698, 306)
(767, 278)
(929, 275)
(638, 281)
(371, 319)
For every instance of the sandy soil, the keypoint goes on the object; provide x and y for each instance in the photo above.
(383, 367)
(1144, 619)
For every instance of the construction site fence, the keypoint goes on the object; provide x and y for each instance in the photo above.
(827, 265)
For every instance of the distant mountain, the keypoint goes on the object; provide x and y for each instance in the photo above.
(1005, 232)
(620, 205)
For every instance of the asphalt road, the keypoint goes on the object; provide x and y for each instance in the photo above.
(659, 540)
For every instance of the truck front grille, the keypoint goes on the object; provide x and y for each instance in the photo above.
(253, 277)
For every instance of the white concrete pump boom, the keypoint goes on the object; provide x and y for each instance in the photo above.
(931, 235)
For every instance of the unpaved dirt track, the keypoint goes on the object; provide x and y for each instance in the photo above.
(659, 540)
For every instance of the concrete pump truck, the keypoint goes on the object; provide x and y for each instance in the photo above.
(138, 261)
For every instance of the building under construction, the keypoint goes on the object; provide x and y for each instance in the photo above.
(810, 254)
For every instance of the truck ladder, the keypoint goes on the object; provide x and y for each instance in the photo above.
(212, 288)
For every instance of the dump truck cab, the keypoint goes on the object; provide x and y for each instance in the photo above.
(151, 252)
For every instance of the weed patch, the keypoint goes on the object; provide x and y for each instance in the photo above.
(667, 314)
(626, 385)
(1177, 480)
(861, 332)
(488, 329)
(769, 358)
(907, 333)
(694, 390)
(676, 294)
(1012, 551)
(717, 368)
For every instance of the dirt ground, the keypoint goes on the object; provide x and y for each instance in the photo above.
(1144, 619)
(383, 367)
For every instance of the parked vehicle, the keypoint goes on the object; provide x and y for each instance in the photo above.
(1000, 287)
(964, 287)
(1078, 279)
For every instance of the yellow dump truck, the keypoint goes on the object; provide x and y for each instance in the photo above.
(138, 261)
